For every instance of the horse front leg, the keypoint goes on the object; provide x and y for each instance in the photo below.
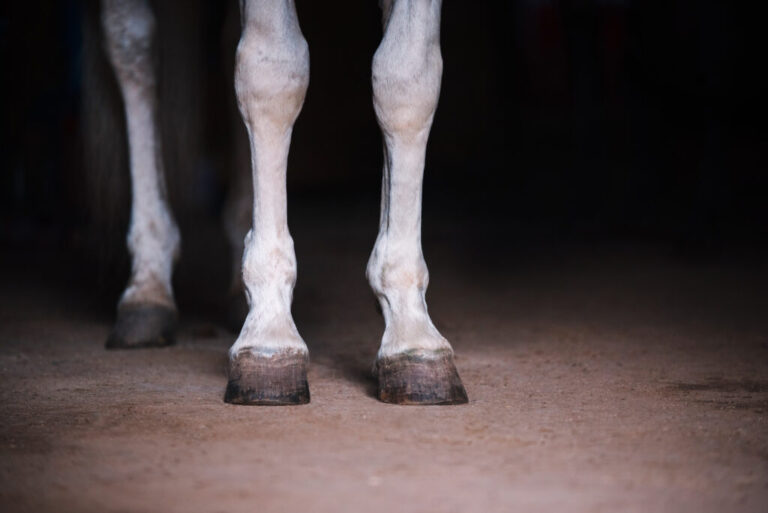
(268, 361)
(146, 314)
(415, 363)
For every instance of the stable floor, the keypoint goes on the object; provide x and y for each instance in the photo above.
(611, 378)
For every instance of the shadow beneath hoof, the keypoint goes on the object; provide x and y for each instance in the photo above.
(363, 376)
(354, 368)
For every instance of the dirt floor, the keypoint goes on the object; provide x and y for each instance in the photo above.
(600, 379)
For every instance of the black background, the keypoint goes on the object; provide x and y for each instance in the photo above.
(558, 121)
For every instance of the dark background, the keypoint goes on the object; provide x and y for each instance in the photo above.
(559, 122)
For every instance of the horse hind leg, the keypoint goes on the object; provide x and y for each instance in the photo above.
(415, 363)
(146, 313)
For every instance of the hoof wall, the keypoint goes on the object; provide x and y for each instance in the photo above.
(140, 326)
(414, 379)
(260, 380)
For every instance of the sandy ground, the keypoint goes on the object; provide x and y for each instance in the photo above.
(611, 379)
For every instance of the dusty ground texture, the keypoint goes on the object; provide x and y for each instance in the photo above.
(610, 379)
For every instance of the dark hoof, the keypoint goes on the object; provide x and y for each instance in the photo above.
(143, 326)
(278, 380)
(237, 311)
(416, 379)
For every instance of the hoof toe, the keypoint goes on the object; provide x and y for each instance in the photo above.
(416, 379)
(261, 380)
(143, 326)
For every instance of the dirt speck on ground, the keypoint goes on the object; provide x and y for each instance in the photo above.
(617, 381)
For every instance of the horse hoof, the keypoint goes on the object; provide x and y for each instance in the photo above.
(260, 380)
(140, 326)
(419, 379)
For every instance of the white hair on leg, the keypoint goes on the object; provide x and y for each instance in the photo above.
(147, 311)
(268, 360)
(415, 362)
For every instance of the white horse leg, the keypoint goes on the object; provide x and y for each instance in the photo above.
(268, 361)
(146, 313)
(415, 363)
